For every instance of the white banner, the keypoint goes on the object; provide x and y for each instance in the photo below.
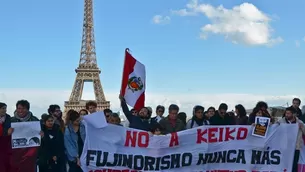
(26, 134)
(211, 148)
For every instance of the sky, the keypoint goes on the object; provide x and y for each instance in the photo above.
(195, 52)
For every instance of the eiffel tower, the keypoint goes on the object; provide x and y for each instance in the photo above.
(88, 70)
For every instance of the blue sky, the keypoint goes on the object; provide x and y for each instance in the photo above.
(40, 47)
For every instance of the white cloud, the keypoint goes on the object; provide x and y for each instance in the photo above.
(297, 44)
(304, 39)
(243, 24)
(41, 99)
(158, 19)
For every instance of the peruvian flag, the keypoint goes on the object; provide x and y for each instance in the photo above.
(133, 81)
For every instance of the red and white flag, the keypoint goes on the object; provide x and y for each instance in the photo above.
(133, 82)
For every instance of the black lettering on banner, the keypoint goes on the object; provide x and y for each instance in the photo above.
(165, 162)
(175, 163)
(158, 164)
(149, 163)
(120, 160)
(127, 161)
(99, 158)
(266, 157)
(89, 156)
(138, 162)
(229, 156)
(187, 159)
(115, 161)
(275, 157)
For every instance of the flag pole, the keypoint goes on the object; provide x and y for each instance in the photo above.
(126, 51)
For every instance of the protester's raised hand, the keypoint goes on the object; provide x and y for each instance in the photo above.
(10, 131)
(121, 98)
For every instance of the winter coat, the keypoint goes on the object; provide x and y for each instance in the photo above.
(52, 144)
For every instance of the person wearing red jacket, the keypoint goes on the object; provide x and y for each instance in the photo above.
(5, 139)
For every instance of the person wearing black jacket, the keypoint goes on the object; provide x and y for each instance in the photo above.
(221, 116)
(142, 121)
(296, 102)
(51, 148)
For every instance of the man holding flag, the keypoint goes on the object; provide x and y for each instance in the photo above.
(133, 93)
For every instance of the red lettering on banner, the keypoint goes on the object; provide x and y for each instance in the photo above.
(212, 138)
(228, 134)
(242, 133)
(135, 138)
(174, 140)
(220, 134)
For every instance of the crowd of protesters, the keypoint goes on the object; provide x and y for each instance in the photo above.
(62, 140)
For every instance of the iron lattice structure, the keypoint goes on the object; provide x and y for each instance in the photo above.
(88, 70)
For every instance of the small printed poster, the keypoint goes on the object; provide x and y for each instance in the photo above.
(261, 126)
(26, 134)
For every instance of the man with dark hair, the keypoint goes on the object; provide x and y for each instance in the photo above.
(159, 111)
(107, 113)
(296, 102)
(221, 116)
(291, 118)
(55, 111)
(23, 114)
(91, 106)
(134, 112)
(142, 121)
(182, 116)
(171, 123)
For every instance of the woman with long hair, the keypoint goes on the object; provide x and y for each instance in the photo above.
(52, 145)
(74, 140)
(261, 109)
(241, 118)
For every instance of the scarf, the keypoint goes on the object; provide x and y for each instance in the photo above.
(198, 121)
(24, 119)
(2, 119)
(291, 122)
